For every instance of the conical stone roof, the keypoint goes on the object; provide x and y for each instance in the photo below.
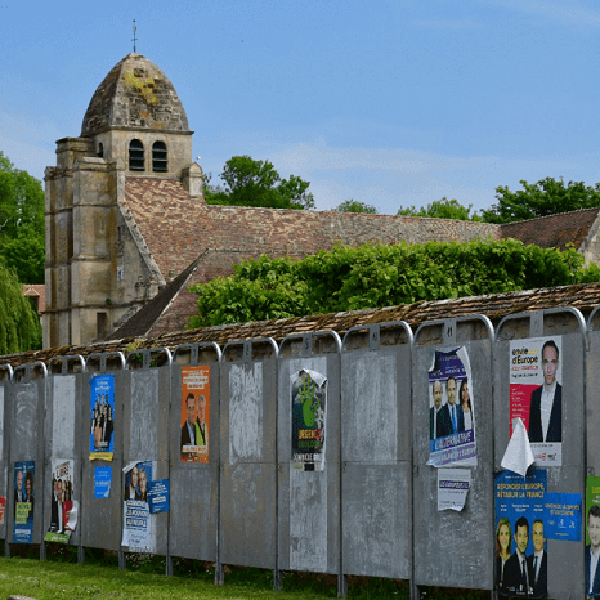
(136, 94)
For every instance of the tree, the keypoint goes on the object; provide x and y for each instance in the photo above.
(20, 328)
(546, 197)
(22, 242)
(356, 206)
(256, 183)
(442, 209)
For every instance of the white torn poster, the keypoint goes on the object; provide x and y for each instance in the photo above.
(518, 455)
(453, 486)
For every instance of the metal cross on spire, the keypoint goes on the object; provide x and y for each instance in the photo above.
(134, 38)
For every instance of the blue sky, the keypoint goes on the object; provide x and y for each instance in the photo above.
(393, 103)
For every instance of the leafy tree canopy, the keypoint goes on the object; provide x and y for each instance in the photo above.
(20, 328)
(22, 243)
(356, 206)
(442, 209)
(546, 197)
(256, 183)
(374, 276)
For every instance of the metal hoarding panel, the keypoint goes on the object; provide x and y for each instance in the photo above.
(534, 334)
(376, 462)
(308, 500)
(194, 483)
(101, 489)
(146, 414)
(248, 430)
(453, 548)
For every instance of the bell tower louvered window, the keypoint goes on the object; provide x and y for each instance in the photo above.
(159, 157)
(136, 155)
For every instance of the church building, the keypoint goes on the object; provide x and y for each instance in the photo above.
(128, 231)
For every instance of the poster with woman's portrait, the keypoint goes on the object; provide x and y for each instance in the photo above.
(102, 417)
(195, 414)
(451, 410)
(63, 515)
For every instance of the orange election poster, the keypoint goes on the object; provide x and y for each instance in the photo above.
(195, 414)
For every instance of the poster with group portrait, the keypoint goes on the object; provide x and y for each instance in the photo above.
(63, 515)
(24, 502)
(536, 395)
(592, 538)
(102, 417)
(309, 405)
(138, 531)
(195, 414)
(451, 410)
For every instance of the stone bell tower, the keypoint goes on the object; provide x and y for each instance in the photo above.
(99, 270)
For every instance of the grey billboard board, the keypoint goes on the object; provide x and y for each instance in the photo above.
(533, 351)
(195, 453)
(376, 451)
(63, 439)
(248, 435)
(104, 382)
(309, 453)
(452, 548)
(26, 427)
(6, 375)
(146, 407)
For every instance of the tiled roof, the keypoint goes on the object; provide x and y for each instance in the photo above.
(554, 231)
(584, 297)
(170, 221)
(143, 320)
(38, 290)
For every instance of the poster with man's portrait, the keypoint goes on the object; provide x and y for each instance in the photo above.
(24, 501)
(138, 531)
(592, 538)
(102, 417)
(309, 406)
(451, 410)
(63, 515)
(536, 395)
(195, 414)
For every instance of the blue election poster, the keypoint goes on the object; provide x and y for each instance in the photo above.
(158, 496)
(102, 482)
(521, 530)
(24, 502)
(563, 516)
(102, 415)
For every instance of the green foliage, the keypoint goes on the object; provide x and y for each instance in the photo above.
(22, 225)
(356, 206)
(546, 197)
(20, 328)
(256, 183)
(372, 276)
(442, 209)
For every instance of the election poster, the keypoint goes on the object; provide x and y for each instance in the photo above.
(2, 508)
(24, 502)
(521, 548)
(451, 410)
(536, 395)
(138, 531)
(63, 514)
(592, 538)
(309, 406)
(102, 482)
(195, 414)
(453, 487)
(102, 417)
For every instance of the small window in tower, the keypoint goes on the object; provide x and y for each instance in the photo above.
(102, 325)
(136, 155)
(159, 157)
(100, 150)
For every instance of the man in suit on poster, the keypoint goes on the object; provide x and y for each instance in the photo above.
(538, 561)
(592, 553)
(188, 433)
(439, 418)
(457, 417)
(516, 571)
(545, 405)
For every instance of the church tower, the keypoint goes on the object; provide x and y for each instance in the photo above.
(99, 270)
